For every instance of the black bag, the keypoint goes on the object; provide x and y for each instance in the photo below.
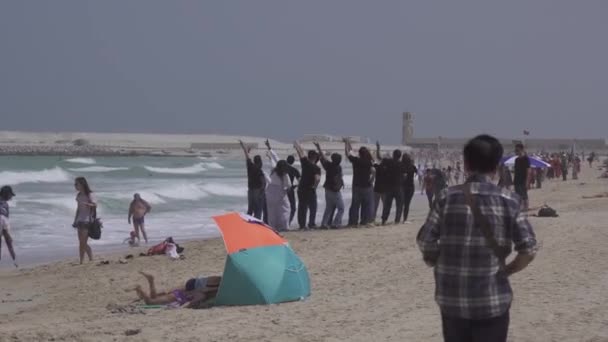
(95, 229)
(547, 211)
(95, 225)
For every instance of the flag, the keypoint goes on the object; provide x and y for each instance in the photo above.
(526, 132)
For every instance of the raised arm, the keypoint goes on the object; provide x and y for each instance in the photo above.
(321, 154)
(299, 150)
(378, 153)
(245, 149)
(267, 143)
(274, 158)
(347, 147)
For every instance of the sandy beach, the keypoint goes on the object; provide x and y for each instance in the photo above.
(367, 284)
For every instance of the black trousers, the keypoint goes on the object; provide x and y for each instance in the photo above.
(391, 194)
(291, 195)
(429, 195)
(408, 194)
(468, 330)
(307, 203)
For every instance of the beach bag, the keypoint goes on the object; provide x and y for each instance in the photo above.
(547, 211)
(95, 229)
(95, 225)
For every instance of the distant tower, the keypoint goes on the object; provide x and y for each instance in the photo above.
(408, 128)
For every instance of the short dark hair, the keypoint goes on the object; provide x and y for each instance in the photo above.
(397, 154)
(519, 146)
(483, 153)
(290, 159)
(312, 154)
(257, 161)
(336, 158)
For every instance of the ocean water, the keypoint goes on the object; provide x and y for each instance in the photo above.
(185, 193)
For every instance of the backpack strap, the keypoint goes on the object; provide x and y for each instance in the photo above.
(499, 251)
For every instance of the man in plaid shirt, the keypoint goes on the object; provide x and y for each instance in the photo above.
(472, 285)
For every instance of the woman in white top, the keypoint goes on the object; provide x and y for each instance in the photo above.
(85, 214)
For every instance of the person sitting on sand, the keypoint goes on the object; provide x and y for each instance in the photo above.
(602, 195)
(193, 292)
(138, 210)
(6, 194)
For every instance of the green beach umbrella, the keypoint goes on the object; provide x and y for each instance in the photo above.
(261, 267)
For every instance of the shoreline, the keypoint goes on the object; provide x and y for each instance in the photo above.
(36, 258)
(100, 253)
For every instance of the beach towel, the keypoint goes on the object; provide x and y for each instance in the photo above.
(158, 249)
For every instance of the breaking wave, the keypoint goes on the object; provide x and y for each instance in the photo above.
(88, 161)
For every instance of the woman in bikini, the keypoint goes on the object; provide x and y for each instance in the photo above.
(195, 290)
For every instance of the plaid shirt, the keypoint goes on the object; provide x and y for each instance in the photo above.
(469, 281)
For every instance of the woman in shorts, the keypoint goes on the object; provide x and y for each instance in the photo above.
(85, 215)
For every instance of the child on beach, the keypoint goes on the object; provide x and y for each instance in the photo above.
(6, 194)
(195, 291)
(138, 210)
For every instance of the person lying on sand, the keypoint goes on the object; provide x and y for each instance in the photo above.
(602, 195)
(195, 291)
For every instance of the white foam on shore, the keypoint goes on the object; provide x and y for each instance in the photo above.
(213, 165)
(55, 175)
(98, 169)
(189, 170)
(88, 161)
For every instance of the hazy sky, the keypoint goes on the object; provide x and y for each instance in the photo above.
(284, 68)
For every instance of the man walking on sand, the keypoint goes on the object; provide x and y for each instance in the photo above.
(520, 174)
(467, 238)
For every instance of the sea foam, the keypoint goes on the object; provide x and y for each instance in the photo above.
(55, 175)
(188, 170)
(88, 161)
(98, 169)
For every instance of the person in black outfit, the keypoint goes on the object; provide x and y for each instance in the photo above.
(408, 184)
(307, 189)
(393, 174)
(256, 185)
(380, 185)
(333, 185)
(362, 206)
(520, 178)
(294, 175)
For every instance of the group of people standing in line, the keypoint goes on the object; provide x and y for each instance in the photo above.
(380, 180)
